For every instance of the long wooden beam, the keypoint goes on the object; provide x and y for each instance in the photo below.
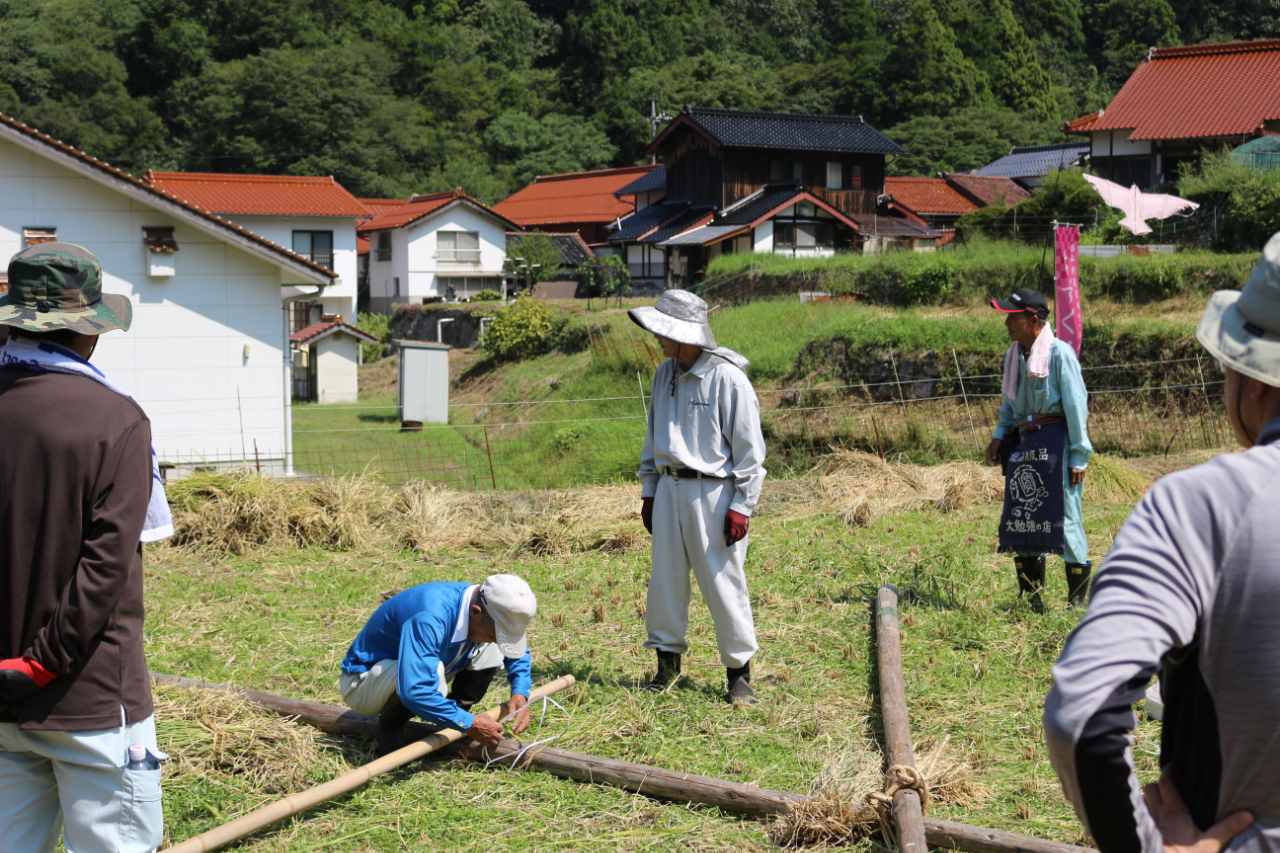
(281, 809)
(908, 811)
(643, 779)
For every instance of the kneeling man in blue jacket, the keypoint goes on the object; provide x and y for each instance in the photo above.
(421, 641)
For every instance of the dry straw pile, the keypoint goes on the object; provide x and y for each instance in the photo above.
(836, 813)
(237, 511)
(861, 486)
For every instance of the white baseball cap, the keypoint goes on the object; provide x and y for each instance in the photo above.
(511, 604)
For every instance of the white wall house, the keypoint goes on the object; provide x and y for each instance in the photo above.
(445, 245)
(207, 356)
(326, 358)
(314, 217)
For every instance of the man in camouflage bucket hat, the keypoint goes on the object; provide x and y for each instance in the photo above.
(59, 286)
(77, 727)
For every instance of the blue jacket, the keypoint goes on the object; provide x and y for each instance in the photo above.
(424, 628)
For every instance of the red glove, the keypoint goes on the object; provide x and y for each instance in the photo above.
(21, 678)
(646, 514)
(735, 526)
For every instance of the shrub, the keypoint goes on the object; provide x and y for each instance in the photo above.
(378, 325)
(487, 296)
(534, 257)
(1247, 200)
(522, 330)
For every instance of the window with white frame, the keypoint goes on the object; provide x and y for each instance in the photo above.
(383, 251)
(395, 286)
(316, 246)
(458, 246)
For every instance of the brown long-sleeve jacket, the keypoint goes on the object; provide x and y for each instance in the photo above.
(75, 479)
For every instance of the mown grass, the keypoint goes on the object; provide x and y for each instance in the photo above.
(280, 620)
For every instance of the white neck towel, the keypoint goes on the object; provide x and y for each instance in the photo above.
(42, 356)
(1037, 361)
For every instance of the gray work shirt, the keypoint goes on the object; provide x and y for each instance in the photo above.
(707, 419)
(1191, 589)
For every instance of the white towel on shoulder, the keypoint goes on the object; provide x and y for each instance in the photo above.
(35, 355)
(1037, 362)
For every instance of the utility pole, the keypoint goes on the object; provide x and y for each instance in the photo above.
(654, 118)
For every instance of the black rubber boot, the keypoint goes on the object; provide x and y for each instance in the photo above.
(740, 689)
(470, 685)
(1031, 579)
(390, 733)
(668, 671)
(1078, 576)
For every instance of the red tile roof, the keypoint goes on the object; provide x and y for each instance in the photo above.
(1197, 91)
(986, 189)
(576, 197)
(161, 196)
(422, 205)
(270, 195)
(928, 195)
(379, 206)
(324, 327)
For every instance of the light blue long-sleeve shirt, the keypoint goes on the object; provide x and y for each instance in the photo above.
(423, 629)
(1062, 392)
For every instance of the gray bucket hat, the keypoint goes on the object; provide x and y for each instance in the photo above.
(679, 316)
(1242, 328)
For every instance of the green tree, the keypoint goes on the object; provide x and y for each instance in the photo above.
(59, 73)
(965, 140)
(925, 73)
(537, 253)
(552, 145)
(323, 112)
(989, 35)
(727, 80)
(1118, 34)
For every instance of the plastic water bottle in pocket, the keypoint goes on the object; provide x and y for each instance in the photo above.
(140, 760)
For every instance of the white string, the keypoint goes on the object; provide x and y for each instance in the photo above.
(541, 719)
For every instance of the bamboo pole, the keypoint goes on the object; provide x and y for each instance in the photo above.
(281, 809)
(908, 811)
(650, 781)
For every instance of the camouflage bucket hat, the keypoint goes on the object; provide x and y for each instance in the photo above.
(59, 286)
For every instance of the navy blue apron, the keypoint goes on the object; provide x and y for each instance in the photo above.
(1034, 502)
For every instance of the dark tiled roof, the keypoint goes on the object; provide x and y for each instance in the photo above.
(653, 182)
(688, 219)
(637, 224)
(892, 226)
(793, 131)
(758, 204)
(573, 249)
(1029, 161)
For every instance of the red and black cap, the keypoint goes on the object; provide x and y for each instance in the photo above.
(1025, 299)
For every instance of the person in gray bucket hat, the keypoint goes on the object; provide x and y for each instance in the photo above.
(1189, 591)
(700, 473)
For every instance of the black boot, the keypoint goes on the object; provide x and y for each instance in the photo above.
(1078, 575)
(470, 685)
(740, 689)
(668, 671)
(390, 734)
(1031, 579)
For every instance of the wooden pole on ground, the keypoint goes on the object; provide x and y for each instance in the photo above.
(282, 809)
(908, 811)
(650, 781)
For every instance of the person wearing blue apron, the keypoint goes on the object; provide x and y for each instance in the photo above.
(1042, 440)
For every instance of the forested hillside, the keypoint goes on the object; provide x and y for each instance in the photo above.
(401, 96)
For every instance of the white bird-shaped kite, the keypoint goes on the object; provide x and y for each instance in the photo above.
(1137, 205)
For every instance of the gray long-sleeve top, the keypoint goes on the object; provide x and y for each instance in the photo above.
(707, 419)
(1191, 589)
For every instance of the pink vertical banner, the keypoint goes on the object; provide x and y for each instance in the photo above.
(1067, 302)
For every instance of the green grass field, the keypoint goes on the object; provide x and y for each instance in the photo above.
(281, 621)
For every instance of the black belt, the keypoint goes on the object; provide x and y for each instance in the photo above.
(690, 474)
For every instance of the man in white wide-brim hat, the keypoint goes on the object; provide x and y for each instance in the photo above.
(700, 473)
(1190, 590)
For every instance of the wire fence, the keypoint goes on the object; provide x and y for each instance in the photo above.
(1136, 409)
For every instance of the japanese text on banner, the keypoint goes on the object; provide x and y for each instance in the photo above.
(1067, 300)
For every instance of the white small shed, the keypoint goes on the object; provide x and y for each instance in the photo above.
(326, 361)
(423, 383)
